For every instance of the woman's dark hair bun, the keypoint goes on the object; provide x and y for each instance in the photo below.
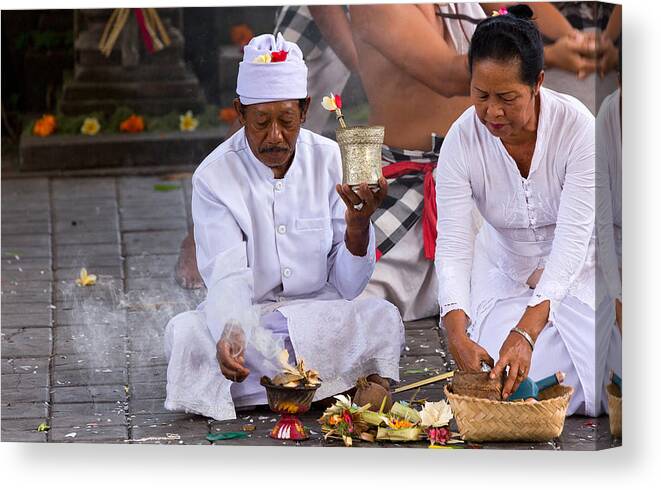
(510, 37)
(520, 11)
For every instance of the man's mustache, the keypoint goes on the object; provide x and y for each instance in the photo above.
(274, 149)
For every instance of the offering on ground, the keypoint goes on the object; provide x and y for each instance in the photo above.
(289, 394)
(368, 392)
(293, 377)
(347, 420)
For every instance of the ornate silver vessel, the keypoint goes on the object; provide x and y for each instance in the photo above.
(360, 148)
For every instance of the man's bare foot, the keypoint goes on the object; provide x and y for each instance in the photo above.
(185, 272)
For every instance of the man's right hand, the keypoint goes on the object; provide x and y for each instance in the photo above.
(468, 355)
(230, 351)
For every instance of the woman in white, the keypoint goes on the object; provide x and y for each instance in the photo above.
(523, 290)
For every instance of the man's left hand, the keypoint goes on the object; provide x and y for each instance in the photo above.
(362, 203)
(517, 354)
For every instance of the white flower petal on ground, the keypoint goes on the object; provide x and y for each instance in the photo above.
(436, 414)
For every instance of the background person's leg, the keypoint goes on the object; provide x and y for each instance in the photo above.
(185, 272)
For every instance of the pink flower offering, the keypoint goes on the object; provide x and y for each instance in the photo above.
(438, 435)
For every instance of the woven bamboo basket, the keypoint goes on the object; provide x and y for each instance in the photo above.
(614, 410)
(480, 419)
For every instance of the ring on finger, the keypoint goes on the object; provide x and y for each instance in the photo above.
(522, 372)
(359, 206)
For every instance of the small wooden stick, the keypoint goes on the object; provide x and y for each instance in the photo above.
(111, 32)
(106, 29)
(117, 30)
(413, 397)
(340, 118)
(159, 25)
(424, 382)
(156, 42)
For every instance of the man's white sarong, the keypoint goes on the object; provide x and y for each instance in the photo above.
(341, 339)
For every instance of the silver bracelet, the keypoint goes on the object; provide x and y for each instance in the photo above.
(525, 335)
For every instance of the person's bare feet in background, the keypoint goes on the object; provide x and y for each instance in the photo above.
(185, 272)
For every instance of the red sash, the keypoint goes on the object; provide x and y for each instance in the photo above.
(429, 216)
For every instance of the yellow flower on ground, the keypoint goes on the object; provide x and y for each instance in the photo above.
(91, 126)
(86, 279)
(187, 122)
(263, 58)
(329, 103)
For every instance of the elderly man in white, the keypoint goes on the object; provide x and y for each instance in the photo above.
(283, 249)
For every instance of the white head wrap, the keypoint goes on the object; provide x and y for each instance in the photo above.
(261, 80)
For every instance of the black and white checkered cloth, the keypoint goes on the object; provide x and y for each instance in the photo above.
(584, 15)
(296, 24)
(402, 207)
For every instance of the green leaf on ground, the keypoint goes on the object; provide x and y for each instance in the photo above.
(223, 436)
(166, 187)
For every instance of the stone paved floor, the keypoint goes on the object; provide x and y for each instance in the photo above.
(89, 361)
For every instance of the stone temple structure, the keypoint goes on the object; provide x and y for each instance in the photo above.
(149, 83)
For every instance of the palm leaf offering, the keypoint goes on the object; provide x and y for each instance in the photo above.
(345, 420)
(294, 376)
